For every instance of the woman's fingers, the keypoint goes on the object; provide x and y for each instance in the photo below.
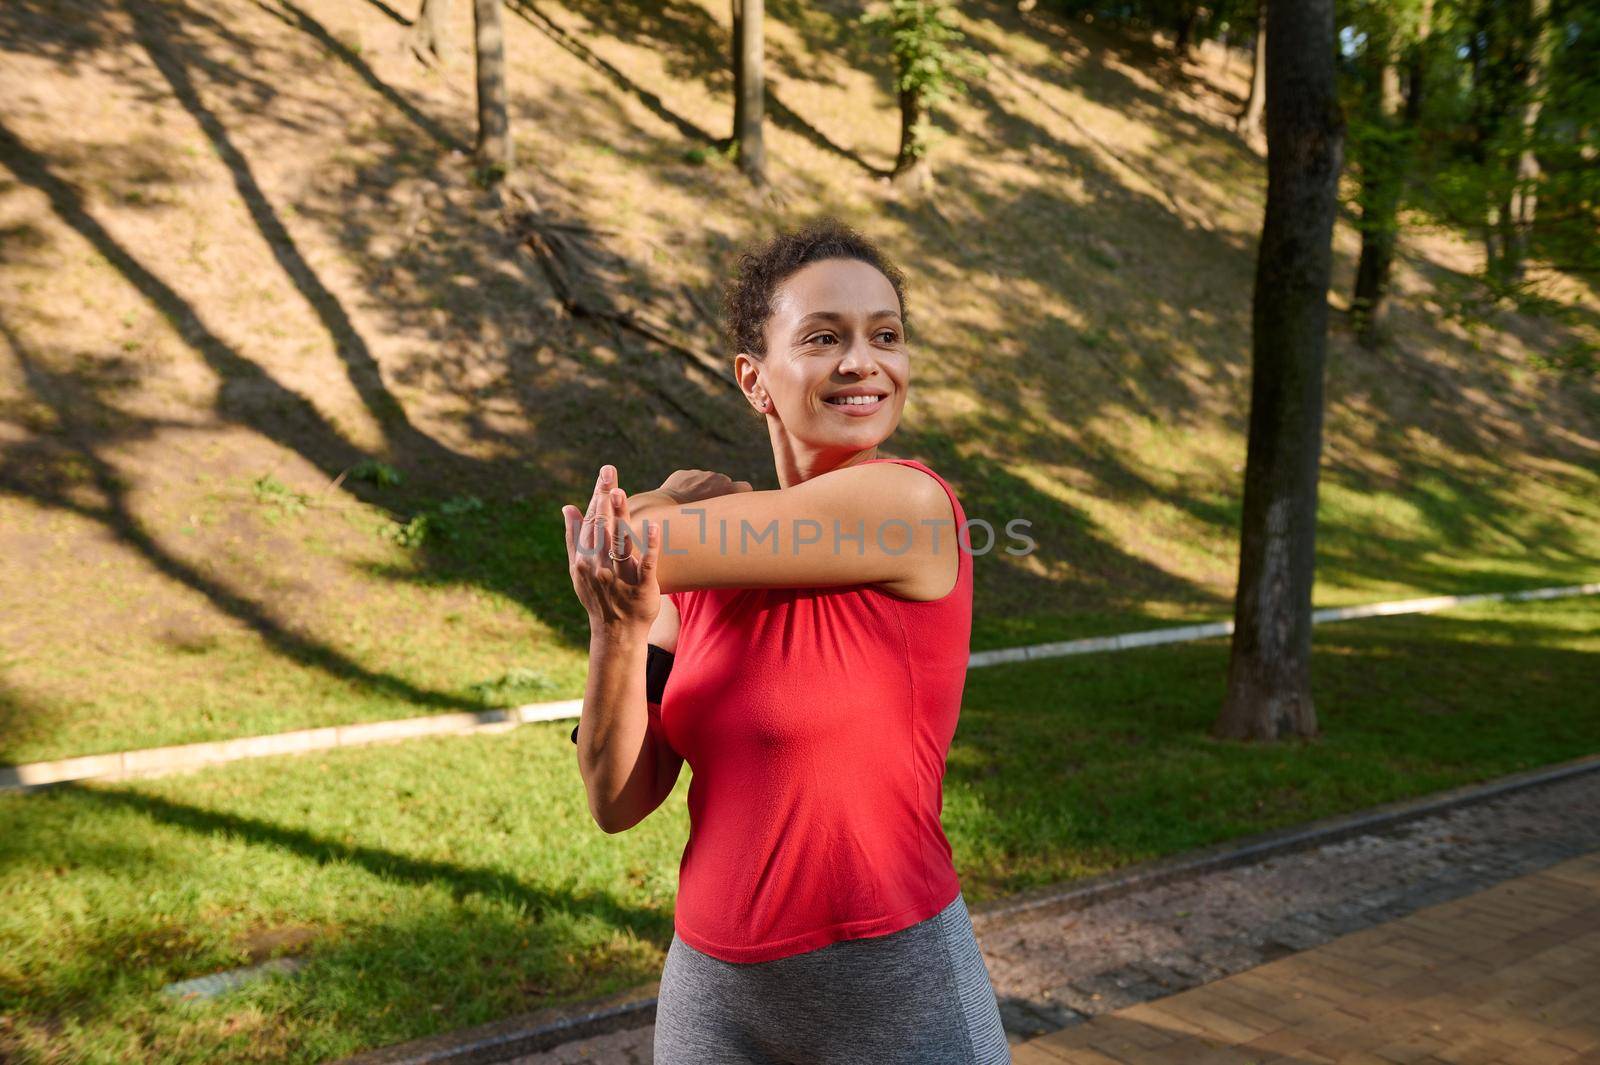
(586, 527)
(652, 553)
(606, 523)
(590, 540)
(620, 538)
(570, 517)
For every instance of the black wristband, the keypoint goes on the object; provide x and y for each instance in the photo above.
(658, 664)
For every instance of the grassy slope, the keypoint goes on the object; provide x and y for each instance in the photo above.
(254, 249)
(448, 882)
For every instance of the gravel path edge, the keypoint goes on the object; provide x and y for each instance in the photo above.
(1244, 850)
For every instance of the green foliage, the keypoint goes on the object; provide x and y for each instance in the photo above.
(488, 175)
(1095, 338)
(1577, 359)
(930, 64)
(413, 533)
(459, 505)
(284, 501)
(515, 685)
(1509, 88)
(1494, 137)
(379, 473)
(1379, 142)
(442, 523)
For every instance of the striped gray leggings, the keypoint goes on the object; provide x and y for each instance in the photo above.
(919, 996)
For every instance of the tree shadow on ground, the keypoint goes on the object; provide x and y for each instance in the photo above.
(537, 18)
(251, 395)
(701, 53)
(66, 471)
(372, 973)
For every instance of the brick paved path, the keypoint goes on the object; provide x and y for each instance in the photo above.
(1507, 976)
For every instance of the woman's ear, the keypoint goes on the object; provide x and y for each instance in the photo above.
(747, 370)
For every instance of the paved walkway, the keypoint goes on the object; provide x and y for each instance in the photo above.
(1507, 976)
(1054, 973)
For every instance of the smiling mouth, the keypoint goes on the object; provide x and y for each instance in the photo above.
(861, 403)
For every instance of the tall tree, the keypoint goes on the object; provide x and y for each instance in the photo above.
(1566, 233)
(1250, 118)
(929, 68)
(1269, 669)
(1507, 47)
(1188, 17)
(427, 33)
(494, 150)
(1518, 214)
(1382, 144)
(749, 88)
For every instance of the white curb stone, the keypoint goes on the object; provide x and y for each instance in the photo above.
(215, 984)
(153, 761)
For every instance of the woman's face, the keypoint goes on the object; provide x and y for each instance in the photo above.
(835, 331)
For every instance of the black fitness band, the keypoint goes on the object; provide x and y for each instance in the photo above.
(658, 663)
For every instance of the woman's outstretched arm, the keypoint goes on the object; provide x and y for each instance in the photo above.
(882, 523)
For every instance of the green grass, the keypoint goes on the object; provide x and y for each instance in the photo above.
(448, 882)
(478, 612)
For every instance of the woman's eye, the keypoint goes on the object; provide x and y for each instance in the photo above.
(820, 337)
(890, 334)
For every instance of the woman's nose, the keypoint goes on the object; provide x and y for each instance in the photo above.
(858, 358)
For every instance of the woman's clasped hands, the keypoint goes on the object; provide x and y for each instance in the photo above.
(615, 582)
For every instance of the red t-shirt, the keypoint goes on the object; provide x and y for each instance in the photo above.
(816, 723)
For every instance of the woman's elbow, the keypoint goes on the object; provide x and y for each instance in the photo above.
(617, 808)
(616, 817)
(610, 822)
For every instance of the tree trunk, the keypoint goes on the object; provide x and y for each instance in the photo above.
(1383, 169)
(427, 33)
(911, 164)
(1506, 266)
(1524, 195)
(494, 151)
(749, 89)
(1481, 123)
(1378, 241)
(1269, 674)
(1186, 22)
(1250, 120)
(736, 60)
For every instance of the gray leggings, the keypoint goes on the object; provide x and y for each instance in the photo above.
(919, 996)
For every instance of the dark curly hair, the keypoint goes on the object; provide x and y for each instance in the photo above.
(747, 300)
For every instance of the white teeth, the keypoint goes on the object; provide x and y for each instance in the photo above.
(856, 401)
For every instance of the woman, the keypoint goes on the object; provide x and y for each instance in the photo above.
(817, 639)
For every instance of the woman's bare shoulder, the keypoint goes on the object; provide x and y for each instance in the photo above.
(894, 486)
(856, 524)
